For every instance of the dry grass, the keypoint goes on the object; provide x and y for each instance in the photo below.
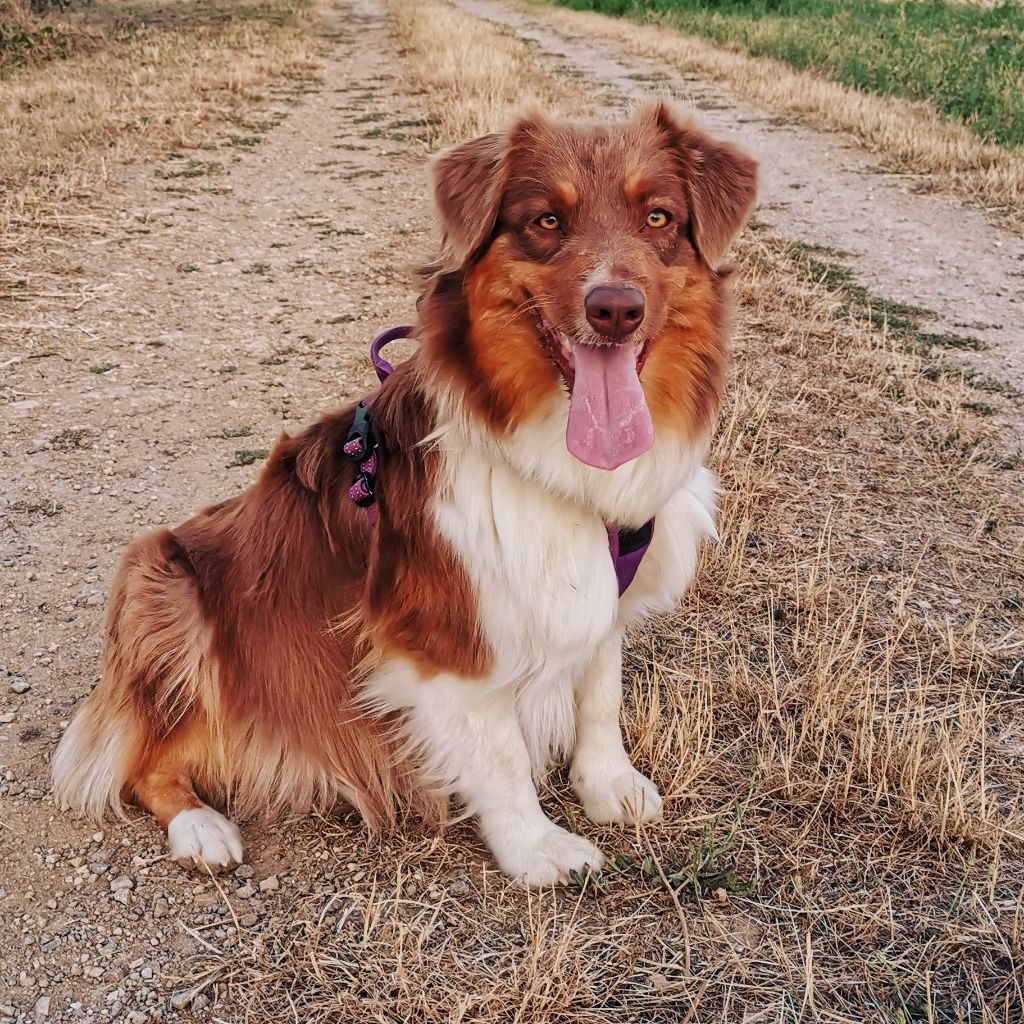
(905, 136)
(835, 716)
(157, 77)
(474, 75)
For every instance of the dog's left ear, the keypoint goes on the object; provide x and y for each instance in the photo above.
(468, 185)
(720, 182)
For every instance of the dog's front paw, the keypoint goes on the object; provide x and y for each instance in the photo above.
(203, 837)
(624, 796)
(549, 858)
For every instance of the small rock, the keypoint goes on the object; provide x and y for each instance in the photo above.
(269, 884)
(249, 920)
(122, 896)
(246, 892)
(43, 1007)
(94, 600)
(97, 837)
(6, 718)
(21, 685)
(244, 871)
(121, 882)
(179, 1000)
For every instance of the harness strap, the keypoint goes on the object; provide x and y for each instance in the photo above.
(626, 547)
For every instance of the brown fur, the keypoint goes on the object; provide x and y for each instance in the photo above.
(234, 640)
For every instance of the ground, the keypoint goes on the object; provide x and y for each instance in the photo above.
(834, 714)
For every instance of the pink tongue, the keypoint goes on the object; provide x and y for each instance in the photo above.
(609, 422)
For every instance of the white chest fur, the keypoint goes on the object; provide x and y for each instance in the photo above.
(528, 524)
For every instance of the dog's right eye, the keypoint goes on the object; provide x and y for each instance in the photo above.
(548, 221)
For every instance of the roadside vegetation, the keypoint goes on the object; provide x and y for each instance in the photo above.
(967, 60)
(84, 87)
(904, 135)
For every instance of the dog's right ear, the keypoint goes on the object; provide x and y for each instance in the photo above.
(468, 186)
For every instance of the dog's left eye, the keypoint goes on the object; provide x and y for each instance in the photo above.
(658, 218)
(548, 221)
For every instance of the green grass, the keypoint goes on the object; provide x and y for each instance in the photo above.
(964, 59)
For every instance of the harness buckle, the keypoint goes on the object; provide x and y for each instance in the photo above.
(359, 441)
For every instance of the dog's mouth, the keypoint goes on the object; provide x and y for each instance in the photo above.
(609, 422)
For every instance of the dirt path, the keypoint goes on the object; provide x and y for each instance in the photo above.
(820, 189)
(222, 298)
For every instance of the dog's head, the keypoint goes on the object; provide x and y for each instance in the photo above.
(587, 255)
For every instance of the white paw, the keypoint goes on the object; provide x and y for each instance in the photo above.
(624, 796)
(549, 858)
(203, 836)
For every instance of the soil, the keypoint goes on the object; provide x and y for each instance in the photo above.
(227, 295)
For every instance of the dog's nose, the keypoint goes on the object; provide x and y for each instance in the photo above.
(614, 310)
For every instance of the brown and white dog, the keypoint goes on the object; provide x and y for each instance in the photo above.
(279, 652)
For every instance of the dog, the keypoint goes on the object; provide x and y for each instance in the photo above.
(291, 649)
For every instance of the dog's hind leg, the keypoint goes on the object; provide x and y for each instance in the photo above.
(145, 732)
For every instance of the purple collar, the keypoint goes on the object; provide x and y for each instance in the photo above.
(626, 547)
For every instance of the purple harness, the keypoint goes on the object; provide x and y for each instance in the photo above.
(626, 547)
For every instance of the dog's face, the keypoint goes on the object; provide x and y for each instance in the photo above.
(587, 255)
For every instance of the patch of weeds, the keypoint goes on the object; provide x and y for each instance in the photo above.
(244, 141)
(248, 456)
(900, 318)
(229, 432)
(192, 169)
(72, 439)
(342, 318)
(103, 367)
(951, 442)
(369, 118)
(216, 190)
(981, 408)
(951, 341)
(46, 509)
(187, 268)
(278, 358)
(259, 269)
(366, 173)
(702, 870)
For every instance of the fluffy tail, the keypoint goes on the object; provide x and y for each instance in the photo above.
(91, 764)
(151, 657)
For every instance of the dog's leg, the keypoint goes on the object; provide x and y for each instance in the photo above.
(471, 742)
(609, 787)
(196, 833)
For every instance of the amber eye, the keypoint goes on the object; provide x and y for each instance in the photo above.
(548, 221)
(658, 218)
